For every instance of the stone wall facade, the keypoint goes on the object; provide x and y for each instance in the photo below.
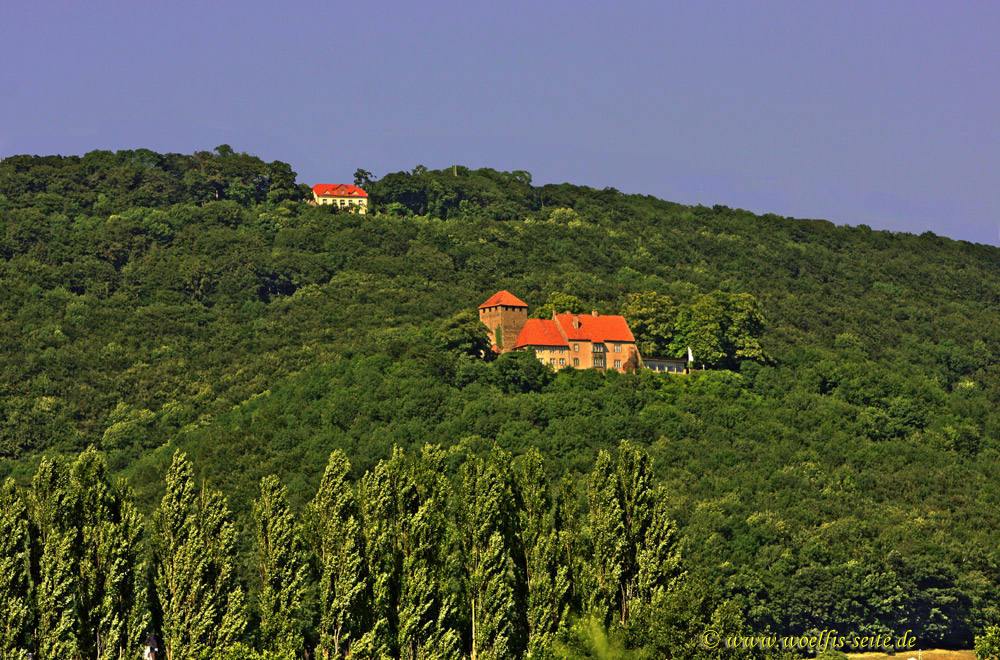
(509, 320)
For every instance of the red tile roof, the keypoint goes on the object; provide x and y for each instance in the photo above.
(595, 328)
(338, 190)
(540, 332)
(503, 298)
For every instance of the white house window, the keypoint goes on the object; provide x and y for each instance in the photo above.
(576, 362)
(618, 364)
(618, 348)
(576, 348)
(562, 362)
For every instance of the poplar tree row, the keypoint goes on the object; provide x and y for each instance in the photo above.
(73, 566)
(413, 561)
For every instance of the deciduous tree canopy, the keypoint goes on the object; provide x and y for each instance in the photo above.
(832, 468)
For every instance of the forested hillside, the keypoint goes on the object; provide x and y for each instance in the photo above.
(834, 468)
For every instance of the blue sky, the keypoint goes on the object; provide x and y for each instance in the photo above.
(881, 113)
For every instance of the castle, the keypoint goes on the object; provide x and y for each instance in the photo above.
(581, 341)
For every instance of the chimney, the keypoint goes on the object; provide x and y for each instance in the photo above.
(594, 313)
(576, 321)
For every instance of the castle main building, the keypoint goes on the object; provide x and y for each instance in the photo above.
(581, 341)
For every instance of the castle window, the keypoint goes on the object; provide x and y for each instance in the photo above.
(576, 362)
(576, 348)
(618, 364)
(618, 348)
(562, 362)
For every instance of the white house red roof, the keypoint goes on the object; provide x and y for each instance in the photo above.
(338, 190)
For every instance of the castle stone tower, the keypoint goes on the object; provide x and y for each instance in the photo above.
(504, 314)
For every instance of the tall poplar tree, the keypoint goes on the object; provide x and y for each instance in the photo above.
(658, 586)
(567, 523)
(547, 571)
(57, 550)
(124, 608)
(410, 539)
(15, 577)
(281, 568)
(111, 585)
(607, 537)
(427, 603)
(491, 550)
(634, 542)
(337, 543)
(378, 495)
(658, 561)
(635, 493)
(91, 508)
(202, 605)
(57, 615)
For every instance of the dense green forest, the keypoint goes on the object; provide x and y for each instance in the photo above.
(834, 468)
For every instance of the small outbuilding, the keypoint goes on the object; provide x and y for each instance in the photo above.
(666, 364)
